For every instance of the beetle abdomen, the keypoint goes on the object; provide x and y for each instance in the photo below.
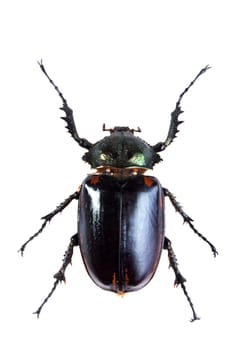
(121, 229)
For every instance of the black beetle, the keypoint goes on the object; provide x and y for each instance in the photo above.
(121, 210)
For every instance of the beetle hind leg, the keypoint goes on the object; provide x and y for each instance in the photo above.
(60, 275)
(179, 279)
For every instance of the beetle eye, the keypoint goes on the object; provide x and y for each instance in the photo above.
(105, 156)
(138, 159)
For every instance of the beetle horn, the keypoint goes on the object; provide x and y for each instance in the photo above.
(69, 118)
(173, 129)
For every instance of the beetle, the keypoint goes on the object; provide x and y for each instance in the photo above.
(121, 210)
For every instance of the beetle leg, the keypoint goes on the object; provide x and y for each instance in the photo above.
(60, 275)
(187, 218)
(49, 216)
(179, 278)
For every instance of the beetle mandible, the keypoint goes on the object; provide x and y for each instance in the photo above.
(121, 210)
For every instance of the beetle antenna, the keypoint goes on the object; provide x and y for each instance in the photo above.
(69, 118)
(173, 129)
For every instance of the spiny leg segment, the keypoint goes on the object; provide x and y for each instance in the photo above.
(187, 219)
(48, 217)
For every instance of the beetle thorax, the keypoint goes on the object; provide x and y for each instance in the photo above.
(121, 150)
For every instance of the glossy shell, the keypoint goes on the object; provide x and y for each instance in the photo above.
(121, 230)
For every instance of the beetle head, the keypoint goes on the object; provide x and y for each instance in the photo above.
(122, 149)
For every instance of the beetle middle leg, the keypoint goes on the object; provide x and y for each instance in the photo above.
(187, 218)
(60, 275)
(179, 278)
(49, 216)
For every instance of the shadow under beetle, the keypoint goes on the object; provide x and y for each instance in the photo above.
(121, 210)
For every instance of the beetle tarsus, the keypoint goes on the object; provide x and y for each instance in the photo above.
(48, 217)
(38, 311)
(214, 250)
(179, 279)
(60, 275)
(187, 219)
(21, 250)
(195, 317)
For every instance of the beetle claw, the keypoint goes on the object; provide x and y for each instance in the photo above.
(195, 318)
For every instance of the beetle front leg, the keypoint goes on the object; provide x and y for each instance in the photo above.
(49, 217)
(187, 218)
(60, 275)
(179, 278)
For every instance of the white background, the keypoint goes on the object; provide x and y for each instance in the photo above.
(122, 63)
